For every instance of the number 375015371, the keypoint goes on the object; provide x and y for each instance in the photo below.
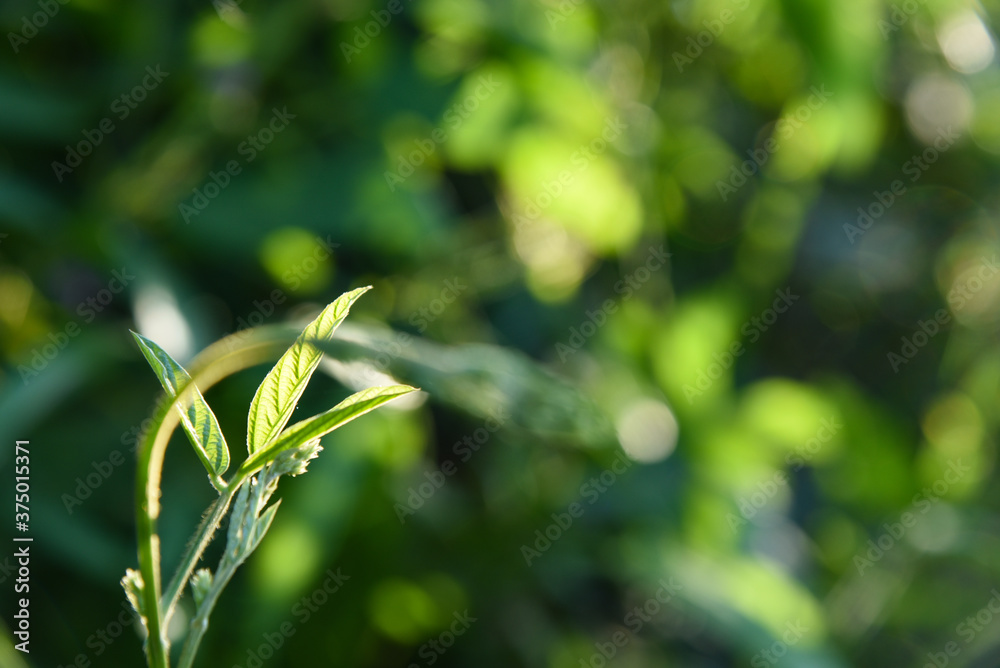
(22, 472)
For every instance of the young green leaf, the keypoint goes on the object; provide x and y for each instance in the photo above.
(261, 526)
(197, 418)
(353, 406)
(276, 397)
(238, 522)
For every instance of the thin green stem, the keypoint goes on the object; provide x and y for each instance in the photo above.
(238, 548)
(217, 482)
(148, 475)
(195, 549)
(199, 625)
(147, 510)
(223, 358)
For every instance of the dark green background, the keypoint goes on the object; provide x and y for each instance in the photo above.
(517, 225)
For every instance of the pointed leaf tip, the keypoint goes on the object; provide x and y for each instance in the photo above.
(275, 400)
(318, 426)
(199, 422)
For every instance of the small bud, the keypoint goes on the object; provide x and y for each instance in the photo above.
(201, 583)
(133, 586)
(294, 461)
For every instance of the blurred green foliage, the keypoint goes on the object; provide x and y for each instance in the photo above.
(813, 366)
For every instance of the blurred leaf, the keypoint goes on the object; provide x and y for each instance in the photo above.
(484, 380)
(9, 657)
(32, 113)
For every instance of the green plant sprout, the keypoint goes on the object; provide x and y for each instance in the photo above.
(273, 451)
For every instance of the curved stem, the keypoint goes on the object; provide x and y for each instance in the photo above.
(222, 359)
(147, 510)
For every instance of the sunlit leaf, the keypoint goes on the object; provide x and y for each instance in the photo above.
(483, 380)
(200, 424)
(277, 396)
(353, 406)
